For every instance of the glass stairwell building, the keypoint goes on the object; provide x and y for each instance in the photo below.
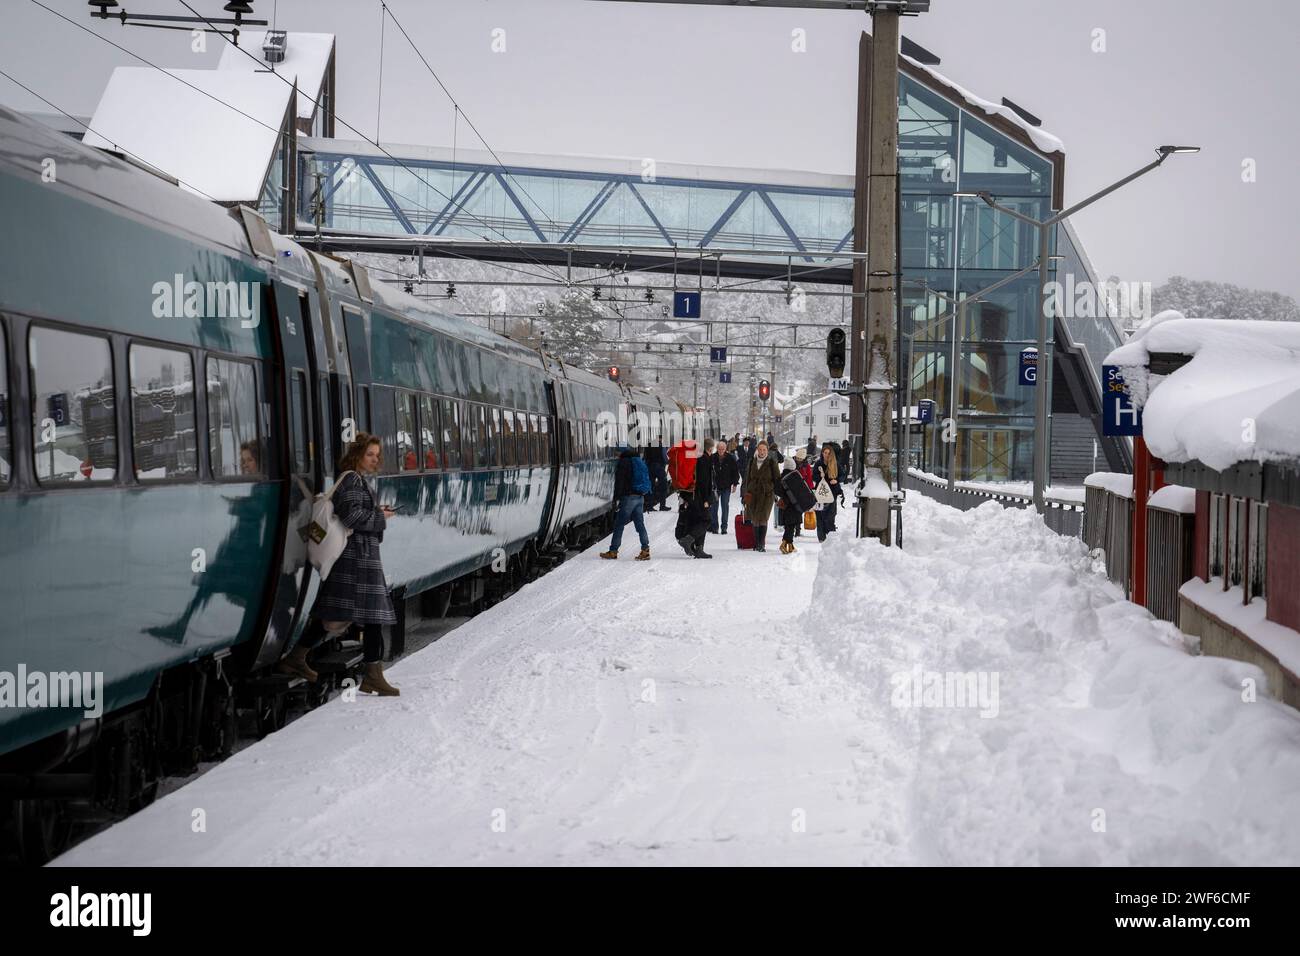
(950, 142)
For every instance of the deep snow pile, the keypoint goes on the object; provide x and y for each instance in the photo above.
(742, 711)
(1102, 717)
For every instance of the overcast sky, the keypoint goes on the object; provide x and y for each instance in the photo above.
(723, 86)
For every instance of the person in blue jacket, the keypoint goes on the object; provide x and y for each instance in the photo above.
(631, 485)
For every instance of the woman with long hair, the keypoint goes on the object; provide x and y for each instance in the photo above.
(355, 591)
(827, 468)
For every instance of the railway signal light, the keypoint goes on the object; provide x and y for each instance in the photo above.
(613, 373)
(764, 390)
(835, 353)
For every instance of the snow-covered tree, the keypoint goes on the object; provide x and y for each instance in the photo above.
(1222, 300)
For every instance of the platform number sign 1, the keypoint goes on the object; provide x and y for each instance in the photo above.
(1118, 416)
(717, 353)
(686, 305)
(724, 378)
(1029, 366)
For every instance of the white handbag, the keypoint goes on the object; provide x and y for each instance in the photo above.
(326, 535)
(823, 492)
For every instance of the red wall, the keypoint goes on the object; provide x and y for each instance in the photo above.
(1201, 560)
(1282, 590)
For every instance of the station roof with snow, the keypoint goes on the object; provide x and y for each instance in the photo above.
(1219, 392)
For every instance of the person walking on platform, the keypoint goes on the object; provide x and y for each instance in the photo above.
(811, 449)
(794, 498)
(355, 591)
(804, 467)
(656, 460)
(827, 470)
(761, 480)
(631, 485)
(692, 523)
(726, 474)
(842, 460)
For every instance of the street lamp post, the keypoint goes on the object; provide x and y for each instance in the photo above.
(1044, 227)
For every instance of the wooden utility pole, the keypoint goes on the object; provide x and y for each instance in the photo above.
(873, 339)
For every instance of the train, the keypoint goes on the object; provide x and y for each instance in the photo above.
(177, 381)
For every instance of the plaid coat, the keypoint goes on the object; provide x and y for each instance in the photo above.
(355, 590)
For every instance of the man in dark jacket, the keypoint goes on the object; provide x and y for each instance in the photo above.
(846, 471)
(743, 454)
(726, 474)
(693, 511)
(656, 460)
(630, 486)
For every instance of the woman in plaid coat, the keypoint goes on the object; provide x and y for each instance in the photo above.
(355, 591)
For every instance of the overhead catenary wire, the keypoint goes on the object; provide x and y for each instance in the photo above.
(375, 142)
(258, 122)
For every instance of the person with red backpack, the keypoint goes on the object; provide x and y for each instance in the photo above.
(631, 485)
(686, 464)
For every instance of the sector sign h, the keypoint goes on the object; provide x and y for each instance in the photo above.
(1118, 416)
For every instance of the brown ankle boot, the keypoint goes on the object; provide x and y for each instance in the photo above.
(644, 555)
(296, 663)
(375, 683)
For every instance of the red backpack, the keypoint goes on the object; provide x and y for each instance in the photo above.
(681, 464)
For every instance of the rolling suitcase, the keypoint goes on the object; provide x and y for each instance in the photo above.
(744, 534)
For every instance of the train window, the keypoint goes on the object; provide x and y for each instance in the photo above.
(429, 431)
(537, 425)
(162, 413)
(363, 409)
(232, 419)
(469, 439)
(74, 412)
(496, 451)
(408, 453)
(451, 433)
(509, 443)
(298, 425)
(4, 411)
(485, 455)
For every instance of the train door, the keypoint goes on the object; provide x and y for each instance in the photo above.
(297, 424)
(354, 329)
(558, 455)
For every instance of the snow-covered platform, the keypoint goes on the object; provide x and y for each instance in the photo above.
(984, 696)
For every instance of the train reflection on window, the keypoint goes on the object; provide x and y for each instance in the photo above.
(74, 419)
(508, 438)
(451, 436)
(233, 442)
(429, 431)
(162, 413)
(407, 452)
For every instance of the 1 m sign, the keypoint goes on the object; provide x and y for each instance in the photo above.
(1118, 416)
